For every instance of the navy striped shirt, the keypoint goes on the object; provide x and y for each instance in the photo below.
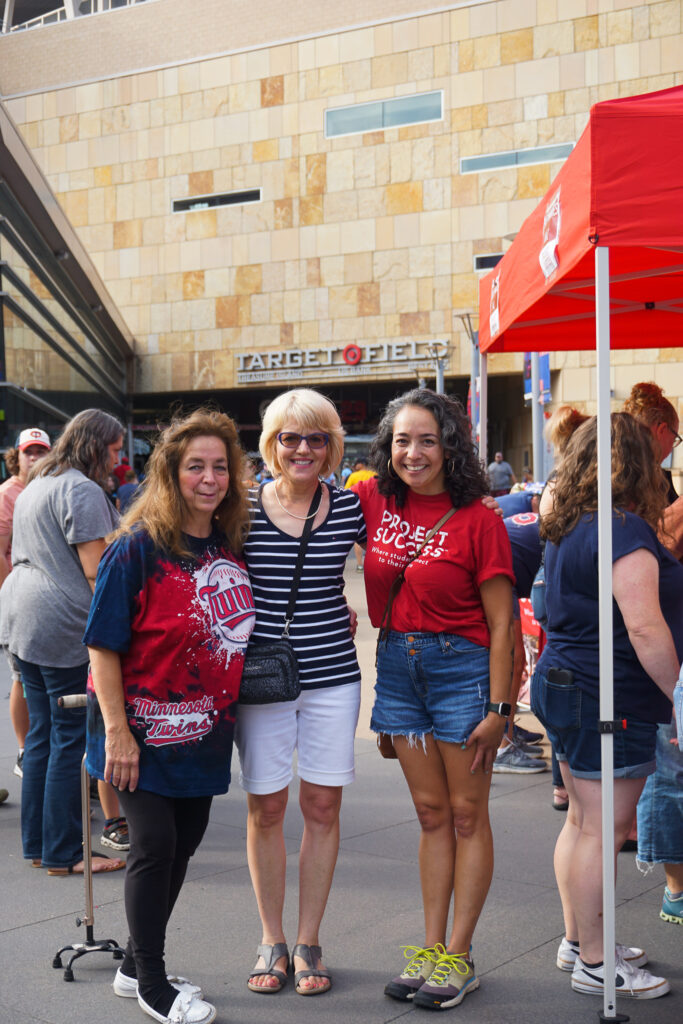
(319, 632)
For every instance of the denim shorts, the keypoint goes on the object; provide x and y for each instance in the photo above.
(660, 808)
(430, 683)
(571, 716)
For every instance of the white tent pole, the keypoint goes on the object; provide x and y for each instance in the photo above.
(602, 341)
(483, 408)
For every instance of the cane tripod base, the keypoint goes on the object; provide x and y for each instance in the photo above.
(79, 949)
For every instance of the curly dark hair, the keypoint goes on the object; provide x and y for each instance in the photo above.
(638, 484)
(464, 475)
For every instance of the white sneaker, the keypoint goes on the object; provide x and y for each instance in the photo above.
(630, 981)
(128, 987)
(567, 955)
(186, 1009)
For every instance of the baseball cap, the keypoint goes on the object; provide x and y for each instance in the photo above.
(33, 435)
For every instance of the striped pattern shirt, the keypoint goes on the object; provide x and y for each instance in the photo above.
(319, 632)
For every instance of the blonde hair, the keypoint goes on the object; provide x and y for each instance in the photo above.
(647, 404)
(159, 508)
(562, 424)
(310, 411)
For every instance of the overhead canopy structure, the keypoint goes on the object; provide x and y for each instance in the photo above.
(599, 263)
(622, 188)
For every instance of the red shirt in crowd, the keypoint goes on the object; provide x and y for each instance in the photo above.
(441, 589)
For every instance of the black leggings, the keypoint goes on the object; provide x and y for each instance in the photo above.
(164, 834)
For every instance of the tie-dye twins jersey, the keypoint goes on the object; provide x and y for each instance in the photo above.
(181, 628)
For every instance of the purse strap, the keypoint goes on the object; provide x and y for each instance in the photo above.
(385, 627)
(308, 527)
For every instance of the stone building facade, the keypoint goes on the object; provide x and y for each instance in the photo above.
(362, 242)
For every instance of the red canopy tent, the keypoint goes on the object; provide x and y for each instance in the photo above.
(600, 262)
(622, 188)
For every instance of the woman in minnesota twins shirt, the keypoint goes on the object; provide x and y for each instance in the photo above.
(170, 620)
(447, 654)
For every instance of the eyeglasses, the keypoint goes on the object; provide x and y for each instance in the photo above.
(291, 440)
(677, 437)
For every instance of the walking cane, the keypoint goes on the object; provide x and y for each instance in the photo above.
(91, 944)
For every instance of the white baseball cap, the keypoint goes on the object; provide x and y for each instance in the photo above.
(33, 435)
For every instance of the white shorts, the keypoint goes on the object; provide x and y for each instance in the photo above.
(320, 725)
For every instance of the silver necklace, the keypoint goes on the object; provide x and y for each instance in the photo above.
(293, 514)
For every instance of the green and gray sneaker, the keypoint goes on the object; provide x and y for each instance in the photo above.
(421, 963)
(448, 984)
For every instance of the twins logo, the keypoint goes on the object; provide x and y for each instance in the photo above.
(174, 723)
(224, 592)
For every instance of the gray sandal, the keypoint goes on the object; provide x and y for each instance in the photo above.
(311, 955)
(271, 955)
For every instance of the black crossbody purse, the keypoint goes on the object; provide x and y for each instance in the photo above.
(271, 673)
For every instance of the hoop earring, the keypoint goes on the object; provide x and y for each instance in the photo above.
(391, 471)
(450, 466)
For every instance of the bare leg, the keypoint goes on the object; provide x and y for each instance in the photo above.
(564, 854)
(474, 847)
(320, 806)
(585, 874)
(426, 777)
(358, 552)
(109, 801)
(674, 877)
(18, 712)
(266, 855)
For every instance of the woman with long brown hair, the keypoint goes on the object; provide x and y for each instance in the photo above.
(647, 585)
(60, 521)
(170, 620)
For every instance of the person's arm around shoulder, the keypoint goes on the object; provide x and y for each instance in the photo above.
(635, 585)
(120, 747)
(496, 598)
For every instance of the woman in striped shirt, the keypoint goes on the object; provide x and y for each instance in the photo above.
(302, 441)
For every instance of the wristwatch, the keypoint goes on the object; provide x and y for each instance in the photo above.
(502, 708)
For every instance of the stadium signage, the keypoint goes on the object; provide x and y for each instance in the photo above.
(350, 360)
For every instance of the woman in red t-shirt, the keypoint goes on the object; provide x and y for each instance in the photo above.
(443, 668)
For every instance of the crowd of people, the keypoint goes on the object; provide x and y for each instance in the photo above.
(158, 601)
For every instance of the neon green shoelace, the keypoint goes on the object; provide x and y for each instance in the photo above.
(419, 956)
(448, 962)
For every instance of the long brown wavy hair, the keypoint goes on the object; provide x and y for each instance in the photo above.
(83, 445)
(638, 484)
(159, 508)
(648, 404)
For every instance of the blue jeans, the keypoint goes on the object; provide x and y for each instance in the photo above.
(430, 683)
(660, 808)
(51, 823)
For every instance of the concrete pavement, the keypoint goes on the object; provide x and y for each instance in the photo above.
(373, 909)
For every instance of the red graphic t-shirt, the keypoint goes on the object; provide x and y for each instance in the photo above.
(441, 589)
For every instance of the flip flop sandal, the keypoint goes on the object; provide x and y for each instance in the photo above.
(271, 955)
(310, 955)
(63, 872)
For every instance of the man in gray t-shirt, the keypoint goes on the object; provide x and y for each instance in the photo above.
(501, 476)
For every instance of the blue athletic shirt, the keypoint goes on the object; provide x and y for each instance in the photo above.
(571, 573)
(319, 633)
(526, 550)
(181, 627)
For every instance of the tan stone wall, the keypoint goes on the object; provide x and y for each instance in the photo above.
(366, 238)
